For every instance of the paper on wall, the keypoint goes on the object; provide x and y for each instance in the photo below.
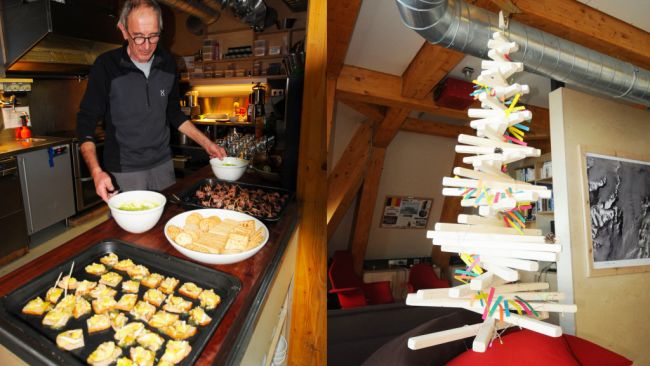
(11, 117)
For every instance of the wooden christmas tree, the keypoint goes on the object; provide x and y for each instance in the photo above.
(495, 244)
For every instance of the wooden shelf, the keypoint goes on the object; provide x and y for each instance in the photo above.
(544, 213)
(243, 59)
(232, 80)
(548, 180)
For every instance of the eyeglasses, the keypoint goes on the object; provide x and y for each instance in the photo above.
(140, 40)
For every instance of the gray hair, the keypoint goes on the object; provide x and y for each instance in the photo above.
(130, 5)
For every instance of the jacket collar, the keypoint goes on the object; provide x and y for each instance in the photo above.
(126, 61)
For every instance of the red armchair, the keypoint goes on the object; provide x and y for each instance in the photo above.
(350, 289)
(422, 276)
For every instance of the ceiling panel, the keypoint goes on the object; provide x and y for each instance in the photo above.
(380, 41)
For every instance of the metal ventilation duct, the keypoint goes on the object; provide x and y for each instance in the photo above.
(466, 28)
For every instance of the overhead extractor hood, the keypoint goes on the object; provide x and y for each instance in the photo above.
(56, 36)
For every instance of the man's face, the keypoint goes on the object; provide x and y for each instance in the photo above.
(142, 22)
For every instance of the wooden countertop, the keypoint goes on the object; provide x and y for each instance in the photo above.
(231, 337)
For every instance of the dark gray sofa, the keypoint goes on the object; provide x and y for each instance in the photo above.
(354, 335)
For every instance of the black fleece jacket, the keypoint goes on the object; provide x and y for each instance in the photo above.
(137, 111)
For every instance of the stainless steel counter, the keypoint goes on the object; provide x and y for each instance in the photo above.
(9, 146)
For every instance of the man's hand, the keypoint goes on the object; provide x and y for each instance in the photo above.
(215, 151)
(103, 185)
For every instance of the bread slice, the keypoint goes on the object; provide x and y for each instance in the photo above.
(190, 289)
(154, 297)
(209, 300)
(81, 307)
(143, 311)
(150, 340)
(153, 280)
(177, 304)
(53, 295)
(104, 304)
(104, 355)
(118, 320)
(70, 339)
(102, 290)
(84, 287)
(162, 319)
(176, 351)
(125, 361)
(180, 330)
(199, 317)
(36, 307)
(126, 302)
(131, 286)
(127, 335)
(98, 322)
(69, 282)
(142, 356)
(111, 279)
(96, 269)
(56, 319)
(168, 285)
(138, 272)
(110, 259)
(123, 265)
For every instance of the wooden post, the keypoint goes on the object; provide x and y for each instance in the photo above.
(308, 337)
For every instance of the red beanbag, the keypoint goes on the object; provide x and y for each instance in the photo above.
(521, 348)
(591, 354)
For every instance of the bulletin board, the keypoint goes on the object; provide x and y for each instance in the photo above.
(400, 212)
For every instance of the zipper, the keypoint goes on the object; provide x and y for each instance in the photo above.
(146, 85)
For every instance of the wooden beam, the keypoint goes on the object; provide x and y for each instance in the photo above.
(342, 16)
(345, 180)
(331, 104)
(366, 207)
(540, 127)
(584, 25)
(375, 87)
(375, 113)
(389, 126)
(436, 128)
(308, 332)
(431, 64)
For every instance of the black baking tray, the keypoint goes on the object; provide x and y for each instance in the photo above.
(187, 199)
(36, 344)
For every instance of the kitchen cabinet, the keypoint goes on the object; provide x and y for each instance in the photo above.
(47, 186)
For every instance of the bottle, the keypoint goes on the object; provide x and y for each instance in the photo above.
(25, 132)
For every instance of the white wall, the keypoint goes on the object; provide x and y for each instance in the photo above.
(612, 310)
(414, 166)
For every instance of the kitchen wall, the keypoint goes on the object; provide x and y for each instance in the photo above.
(414, 166)
(612, 310)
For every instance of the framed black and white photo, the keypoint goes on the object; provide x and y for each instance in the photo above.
(618, 199)
(405, 212)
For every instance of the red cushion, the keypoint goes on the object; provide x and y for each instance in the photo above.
(591, 354)
(521, 348)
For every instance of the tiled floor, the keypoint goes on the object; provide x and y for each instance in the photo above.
(51, 237)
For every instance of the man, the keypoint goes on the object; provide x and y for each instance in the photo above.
(134, 89)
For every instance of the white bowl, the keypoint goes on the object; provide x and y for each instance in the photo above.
(229, 168)
(141, 220)
(210, 258)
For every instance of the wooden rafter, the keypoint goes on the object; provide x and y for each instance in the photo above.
(346, 178)
(331, 101)
(373, 112)
(309, 309)
(584, 25)
(431, 64)
(368, 86)
(366, 207)
(389, 126)
(435, 128)
(342, 16)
